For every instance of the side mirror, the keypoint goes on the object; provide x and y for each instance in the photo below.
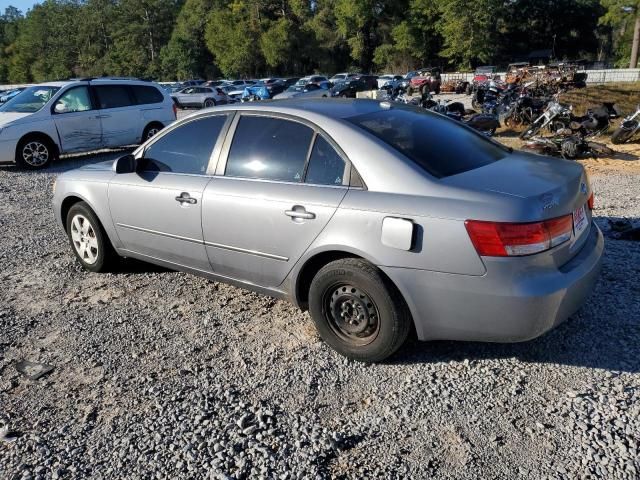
(125, 164)
(60, 108)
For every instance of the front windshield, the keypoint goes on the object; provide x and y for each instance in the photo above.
(30, 100)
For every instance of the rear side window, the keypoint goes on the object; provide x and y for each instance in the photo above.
(145, 95)
(113, 96)
(326, 167)
(185, 149)
(269, 148)
(435, 143)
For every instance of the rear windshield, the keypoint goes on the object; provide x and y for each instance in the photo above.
(439, 145)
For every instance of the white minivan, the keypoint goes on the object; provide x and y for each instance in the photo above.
(55, 118)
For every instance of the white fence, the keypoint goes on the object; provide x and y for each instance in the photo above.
(593, 76)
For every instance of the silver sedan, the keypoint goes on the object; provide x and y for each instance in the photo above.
(200, 97)
(379, 219)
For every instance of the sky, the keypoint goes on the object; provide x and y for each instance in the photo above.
(23, 5)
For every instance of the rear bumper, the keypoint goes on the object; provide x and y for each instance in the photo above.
(504, 305)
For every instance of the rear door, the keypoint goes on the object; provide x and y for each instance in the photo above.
(157, 210)
(259, 214)
(77, 120)
(121, 118)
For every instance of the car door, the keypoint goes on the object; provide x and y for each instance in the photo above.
(121, 124)
(77, 120)
(185, 96)
(259, 216)
(157, 210)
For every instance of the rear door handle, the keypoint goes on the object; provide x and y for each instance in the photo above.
(300, 212)
(184, 197)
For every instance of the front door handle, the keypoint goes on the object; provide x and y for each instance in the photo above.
(184, 197)
(103, 116)
(299, 212)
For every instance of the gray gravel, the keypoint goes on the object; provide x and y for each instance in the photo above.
(164, 375)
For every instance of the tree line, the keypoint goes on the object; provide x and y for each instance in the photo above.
(180, 39)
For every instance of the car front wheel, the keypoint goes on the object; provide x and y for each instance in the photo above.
(357, 310)
(34, 153)
(88, 240)
(209, 102)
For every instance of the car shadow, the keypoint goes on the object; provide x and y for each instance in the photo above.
(603, 334)
(133, 265)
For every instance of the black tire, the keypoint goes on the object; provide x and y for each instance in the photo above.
(621, 135)
(380, 319)
(209, 102)
(151, 130)
(35, 152)
(105, 255)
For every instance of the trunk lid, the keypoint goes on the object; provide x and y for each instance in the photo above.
(543, 187)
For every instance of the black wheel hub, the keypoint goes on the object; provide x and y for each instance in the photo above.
(352, 314)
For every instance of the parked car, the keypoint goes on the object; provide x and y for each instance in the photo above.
(50, 119)
(291, 81)
(426, 80)
(348, 88)
(341, 77)
(484, 74)
(393, 80)
(371, 81)
(200, 97)
(311, 79)
(216, 83)
(378, 218)
(310, 90)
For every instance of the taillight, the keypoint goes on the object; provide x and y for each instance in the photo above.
(175, 110)
(499, 239)
(591, 201)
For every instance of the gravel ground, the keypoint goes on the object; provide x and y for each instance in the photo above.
(158, 374)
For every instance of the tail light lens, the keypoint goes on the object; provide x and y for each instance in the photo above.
(175, 110)
(591, 201)
(499, 239)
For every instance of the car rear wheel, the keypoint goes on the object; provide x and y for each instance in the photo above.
(209, 102)
(357, 310)
(34, 153)
(150, 131)
(88, 240)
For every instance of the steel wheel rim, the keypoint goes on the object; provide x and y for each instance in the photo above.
(35, 154)
(84, 239)
(351, 313)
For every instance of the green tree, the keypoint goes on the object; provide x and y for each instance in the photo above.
(186, 55)
(623, 16)
(10, 22)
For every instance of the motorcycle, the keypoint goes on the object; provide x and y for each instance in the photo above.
(629, 127)
(558, 116)
(486, 123)
(568, 145)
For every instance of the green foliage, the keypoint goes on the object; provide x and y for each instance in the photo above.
(180, 39)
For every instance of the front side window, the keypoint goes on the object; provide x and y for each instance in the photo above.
(76, 99)
(269, 148)
(437, 144)
(113, 96)
(325, 167)
(30, 100)
(185, 149)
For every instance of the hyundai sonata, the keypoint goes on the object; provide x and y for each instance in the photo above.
(377, 218)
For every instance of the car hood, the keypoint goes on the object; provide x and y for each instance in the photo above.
(8, 117)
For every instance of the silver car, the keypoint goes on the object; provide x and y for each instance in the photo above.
(310, 90)
(378, 218)
(200, 97)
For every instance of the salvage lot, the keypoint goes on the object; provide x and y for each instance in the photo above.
(162, 373)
